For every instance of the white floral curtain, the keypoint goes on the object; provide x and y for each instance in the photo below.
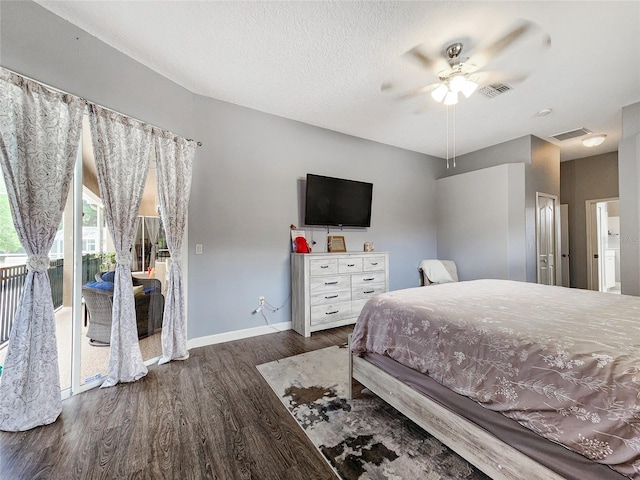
(39, 138)
(174, 159)
(122, 147)
(135, 267)
(152, 228)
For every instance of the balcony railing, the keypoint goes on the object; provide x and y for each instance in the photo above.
(12, 283)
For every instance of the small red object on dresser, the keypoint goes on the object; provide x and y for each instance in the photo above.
(301, 245)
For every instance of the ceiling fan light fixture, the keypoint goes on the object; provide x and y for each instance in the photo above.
(468, 88)
(451, 98)
(439, 93)
(594, 140)
(457, 83)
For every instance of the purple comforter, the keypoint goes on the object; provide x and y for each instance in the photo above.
(564, 363)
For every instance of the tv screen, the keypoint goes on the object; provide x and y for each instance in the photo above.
(337, 202)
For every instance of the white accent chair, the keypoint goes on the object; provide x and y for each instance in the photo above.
(433, 272)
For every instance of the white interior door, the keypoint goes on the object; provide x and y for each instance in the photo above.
(546, 238)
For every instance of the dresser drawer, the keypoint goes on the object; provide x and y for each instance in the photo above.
(349, 265)
(374, 263)
(360, 279)
(321, 266)
(362, 292)
(330, 313)
(332, 296)
(329, 284)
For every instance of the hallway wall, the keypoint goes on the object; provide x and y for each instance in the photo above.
(585, 179)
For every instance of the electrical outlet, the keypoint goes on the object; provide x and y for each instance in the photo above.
(261, 301)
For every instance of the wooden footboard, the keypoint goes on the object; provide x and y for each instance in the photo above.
(494, 457)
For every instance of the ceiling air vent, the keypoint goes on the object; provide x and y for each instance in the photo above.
(495, 89)
(571, 134)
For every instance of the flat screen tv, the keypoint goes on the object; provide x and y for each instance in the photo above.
(337, 202)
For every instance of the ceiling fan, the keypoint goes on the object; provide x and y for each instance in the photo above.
(460, 70)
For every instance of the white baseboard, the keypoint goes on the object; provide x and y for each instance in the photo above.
(237, 335)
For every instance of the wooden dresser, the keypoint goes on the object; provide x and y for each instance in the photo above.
(330, 289)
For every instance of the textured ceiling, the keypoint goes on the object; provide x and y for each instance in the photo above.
(323, 63)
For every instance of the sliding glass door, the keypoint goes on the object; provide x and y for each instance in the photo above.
(82, 256)
(94, 259)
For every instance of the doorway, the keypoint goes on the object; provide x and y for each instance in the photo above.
(547, 241)
(603, 245)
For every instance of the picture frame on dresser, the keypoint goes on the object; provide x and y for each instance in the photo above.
(336, 244)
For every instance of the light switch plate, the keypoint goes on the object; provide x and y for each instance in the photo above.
(198, 249)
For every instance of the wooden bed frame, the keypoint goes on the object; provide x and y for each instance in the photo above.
(492, 456)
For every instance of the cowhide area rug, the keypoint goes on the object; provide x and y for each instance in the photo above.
(363, 438)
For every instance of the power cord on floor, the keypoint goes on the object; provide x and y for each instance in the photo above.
(262, 310)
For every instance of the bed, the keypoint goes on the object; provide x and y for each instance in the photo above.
(515, 377)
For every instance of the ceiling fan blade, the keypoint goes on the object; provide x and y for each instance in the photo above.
(421, 58)
(497, 47)
(490, 77)
(422, 109)
(386, 86)
(436, 65)
(417, 91)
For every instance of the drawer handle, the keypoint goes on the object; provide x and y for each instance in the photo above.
(324, 266)
(331, 296)
(368, 279)
(351, 264)
(331, 283)
(374, 263)
(332, 313)
(369, 291)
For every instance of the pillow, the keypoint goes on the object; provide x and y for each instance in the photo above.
(109, 276)
(138, 290)
(107, 286)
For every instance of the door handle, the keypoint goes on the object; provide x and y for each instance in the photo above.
(595, 255)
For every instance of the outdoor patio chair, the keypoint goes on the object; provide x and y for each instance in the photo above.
(99, 303)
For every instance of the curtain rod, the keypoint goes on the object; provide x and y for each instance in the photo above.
(87, 102)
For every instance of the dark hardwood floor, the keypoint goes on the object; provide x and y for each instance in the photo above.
(211, 416)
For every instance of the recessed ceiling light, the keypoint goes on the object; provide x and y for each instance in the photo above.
(594, 140)
(544, 112)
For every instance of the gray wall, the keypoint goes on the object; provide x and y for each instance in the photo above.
(481, 222)
(541, 174)
(629, 169)
(517, 150)
(585, 179)
(40, 45)
(246, 194)
(246, 175)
